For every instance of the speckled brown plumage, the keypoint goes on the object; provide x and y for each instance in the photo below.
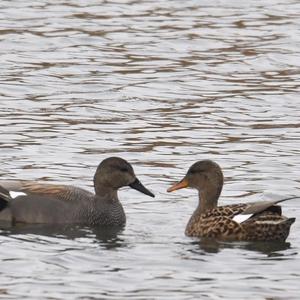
(257, 221)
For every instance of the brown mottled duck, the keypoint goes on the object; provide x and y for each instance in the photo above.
(255, 221)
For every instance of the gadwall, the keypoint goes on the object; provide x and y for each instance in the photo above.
(33, 202)
(255, 221)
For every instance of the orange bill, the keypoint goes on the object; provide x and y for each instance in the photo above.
(179, 185)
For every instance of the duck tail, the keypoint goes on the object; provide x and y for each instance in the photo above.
(289, 221)
(5, 198)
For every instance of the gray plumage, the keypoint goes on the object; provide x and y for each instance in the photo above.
(49, 203)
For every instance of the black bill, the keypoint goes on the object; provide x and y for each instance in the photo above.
(137, 185)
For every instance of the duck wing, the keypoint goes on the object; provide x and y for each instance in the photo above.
(255, 208)
(28, 187)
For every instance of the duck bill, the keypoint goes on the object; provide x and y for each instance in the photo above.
(179, 185)
(137, 185)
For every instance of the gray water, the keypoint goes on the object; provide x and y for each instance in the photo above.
(161, 84)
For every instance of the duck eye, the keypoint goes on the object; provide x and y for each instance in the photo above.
(124, 169)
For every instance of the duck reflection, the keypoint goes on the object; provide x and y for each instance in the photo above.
(107, 237)
(271, 249)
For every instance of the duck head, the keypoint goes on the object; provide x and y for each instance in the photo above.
(114, 173)
(206, 176)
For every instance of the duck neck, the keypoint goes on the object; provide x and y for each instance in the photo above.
(106, 193)
(207, 201)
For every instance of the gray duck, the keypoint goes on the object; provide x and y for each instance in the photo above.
(34, 202)
(255, 221)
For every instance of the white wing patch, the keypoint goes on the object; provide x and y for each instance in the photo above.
(240, 218)
(16, 194)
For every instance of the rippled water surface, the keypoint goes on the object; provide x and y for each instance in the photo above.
(161, 84)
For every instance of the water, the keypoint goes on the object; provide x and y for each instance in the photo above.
(161, 84)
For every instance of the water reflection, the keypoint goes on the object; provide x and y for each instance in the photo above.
(108, 238)
(270, 249)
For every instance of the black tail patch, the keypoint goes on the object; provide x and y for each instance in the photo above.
(276, 209)
(4, 198)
